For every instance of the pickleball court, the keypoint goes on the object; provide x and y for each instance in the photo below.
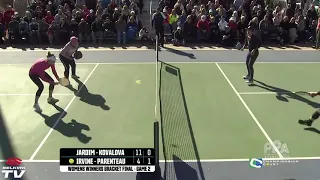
(208, 112)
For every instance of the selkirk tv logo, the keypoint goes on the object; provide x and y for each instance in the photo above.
(13, 161)
(13, 168)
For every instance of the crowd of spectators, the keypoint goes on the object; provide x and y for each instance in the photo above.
(55, 21)
(224, 22)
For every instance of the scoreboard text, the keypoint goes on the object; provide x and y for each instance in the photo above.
(107, 160)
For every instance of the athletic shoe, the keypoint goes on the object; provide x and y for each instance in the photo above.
(245, 77)
(37, 108)
(306, 122)
(52, 100)
(75, 76)
(249, 81)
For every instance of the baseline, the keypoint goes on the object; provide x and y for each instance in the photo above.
(175, 62)
(34, 94)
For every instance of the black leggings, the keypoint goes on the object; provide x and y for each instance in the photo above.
(36, 79)
(251, 59)
(67, 63)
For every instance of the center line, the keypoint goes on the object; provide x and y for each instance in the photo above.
(250, 112)
(61, 115)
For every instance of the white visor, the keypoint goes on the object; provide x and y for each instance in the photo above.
(52, 58)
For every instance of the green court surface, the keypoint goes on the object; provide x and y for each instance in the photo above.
(113, 110)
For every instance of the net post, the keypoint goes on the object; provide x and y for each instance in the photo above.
(156, 131)
(157, 48)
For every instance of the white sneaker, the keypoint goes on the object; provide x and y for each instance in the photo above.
(37, 108)
(52, 100)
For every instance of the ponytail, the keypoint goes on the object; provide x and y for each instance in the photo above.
(49, 54)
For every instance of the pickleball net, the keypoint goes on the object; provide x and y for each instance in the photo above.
(180, 152)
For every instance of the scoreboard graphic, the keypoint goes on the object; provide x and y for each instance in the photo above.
(107, 160)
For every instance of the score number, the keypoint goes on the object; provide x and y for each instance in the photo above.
(139, 153)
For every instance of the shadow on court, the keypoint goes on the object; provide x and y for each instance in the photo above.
(87, 97)
(312, 129)
(288, 94)
(181, 53)
(71, 129)
(6, 146)
(177, 135)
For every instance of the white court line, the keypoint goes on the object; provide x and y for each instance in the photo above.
(250, 112)
(266, 93)
(183, 62)
(59, 118)
(202, 160)
(34, 94)
(262, 93)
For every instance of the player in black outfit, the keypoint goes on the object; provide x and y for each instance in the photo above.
(253, 43)
(314, 116)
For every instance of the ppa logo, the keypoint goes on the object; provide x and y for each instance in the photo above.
(269, 151)
(13, 168)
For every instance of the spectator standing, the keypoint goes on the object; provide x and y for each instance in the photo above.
(43, 28)
(121, 28)
(34, 31)
(74, 27)
(84, 31)
(7, 15)
(64, 30)
(97, 31)
(158, 23)
(318, 34)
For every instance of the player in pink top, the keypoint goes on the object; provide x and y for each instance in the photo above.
(37, 72)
